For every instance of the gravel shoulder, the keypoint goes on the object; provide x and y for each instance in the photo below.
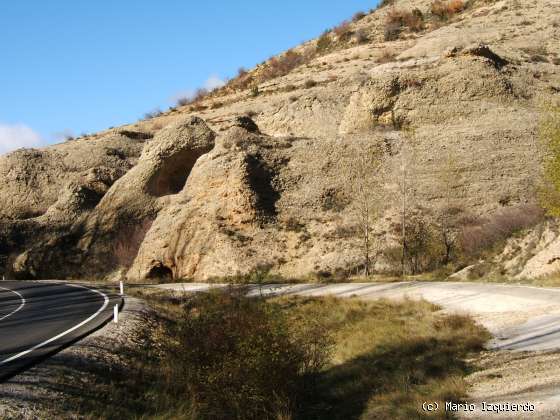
(516, 377)
(31, 395)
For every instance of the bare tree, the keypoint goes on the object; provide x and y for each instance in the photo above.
(367, 190)
(449, 211)
(405, 189)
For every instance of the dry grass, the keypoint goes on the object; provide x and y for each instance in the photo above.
(387, 55)
(387, 358)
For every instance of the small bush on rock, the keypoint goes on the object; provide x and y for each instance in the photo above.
(445, 10)
(324, 42)
(343, 31)
(310, 83)
(414, 20)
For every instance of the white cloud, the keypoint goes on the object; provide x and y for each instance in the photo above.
(213, 82)
(15, 136)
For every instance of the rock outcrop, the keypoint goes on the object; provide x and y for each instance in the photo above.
(266, 179)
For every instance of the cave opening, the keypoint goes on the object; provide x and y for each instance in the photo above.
(173, 174)
(160, 272)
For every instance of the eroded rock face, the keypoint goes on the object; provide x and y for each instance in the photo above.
(180, 196)
(33, 178)
(76, 235)
(256, 201)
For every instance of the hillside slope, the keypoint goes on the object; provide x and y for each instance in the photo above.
(262, 173)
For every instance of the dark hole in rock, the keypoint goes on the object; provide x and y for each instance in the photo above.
(261, 179)
(30, 214)
(87, 197)
(160, 272)
(172, 176)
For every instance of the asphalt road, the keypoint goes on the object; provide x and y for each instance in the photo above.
(38, 319)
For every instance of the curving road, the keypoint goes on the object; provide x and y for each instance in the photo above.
(38, 319)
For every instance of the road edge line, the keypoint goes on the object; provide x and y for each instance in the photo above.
(68, 331)
(22, 304)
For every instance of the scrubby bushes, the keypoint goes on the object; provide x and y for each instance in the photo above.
(343, 31)
(450, 238)
(309, 83)
(358, 16)
(324, 42)
(238, 357)
(392, 31)
(198, 95)
(282, 65)
(229, 357)
(410, 19)
(397, 19)
(423, 249)
(153, 114)
(479, 235)
(386, 55)
(235, 357)
(445, 10)
(361, 36)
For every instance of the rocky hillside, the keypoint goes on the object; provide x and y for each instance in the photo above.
(262, 172)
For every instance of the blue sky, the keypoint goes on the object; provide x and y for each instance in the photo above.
(72, 66)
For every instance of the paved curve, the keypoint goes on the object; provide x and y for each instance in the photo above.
(519, 317)
(38, 319)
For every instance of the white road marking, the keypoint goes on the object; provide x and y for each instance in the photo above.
(21, 305)
(68, 331)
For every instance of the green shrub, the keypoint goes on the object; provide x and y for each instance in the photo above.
(255, 91)
(549, 194)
